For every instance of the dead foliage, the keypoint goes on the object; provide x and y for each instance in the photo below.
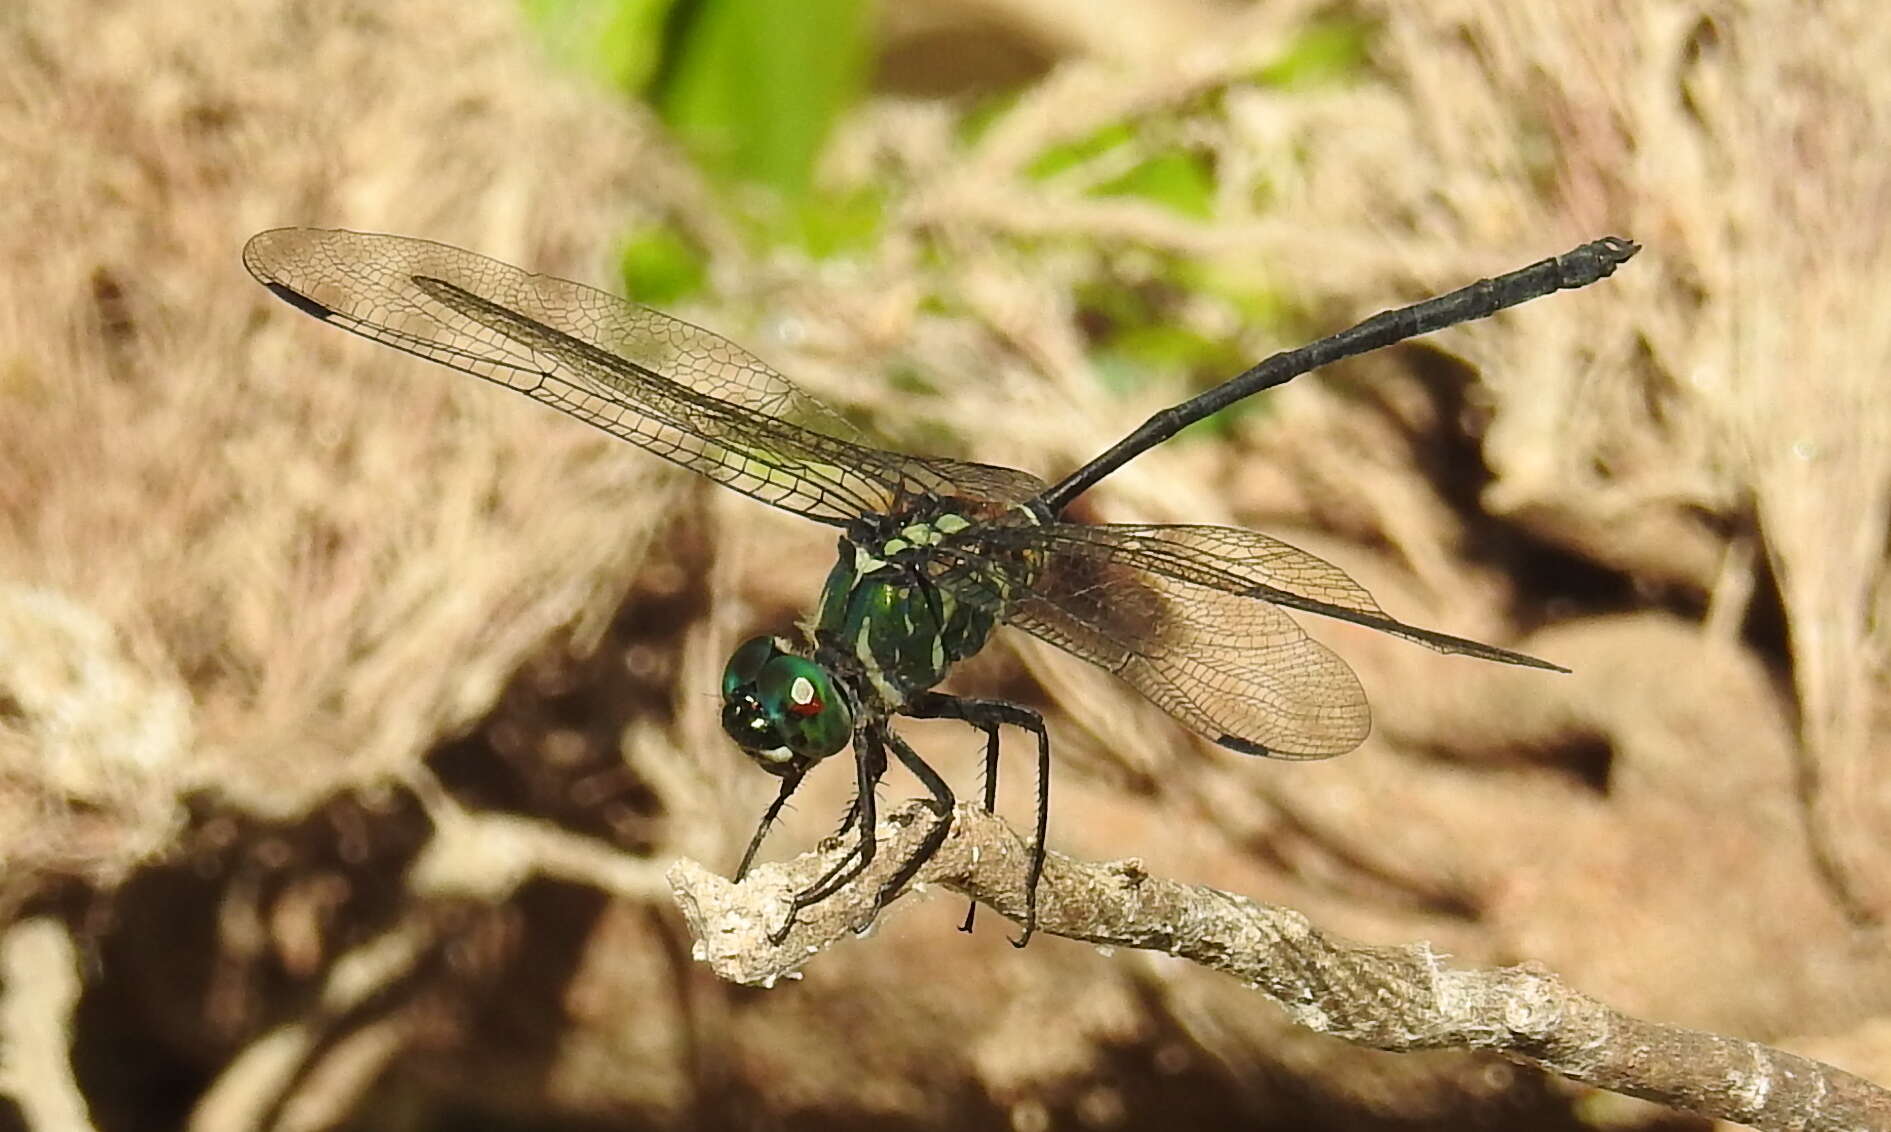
(349, 710)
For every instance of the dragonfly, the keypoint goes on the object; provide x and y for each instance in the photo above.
(934, 553)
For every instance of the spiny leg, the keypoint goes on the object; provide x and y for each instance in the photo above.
(987, 715)
(845, 825)
(991, 799)
(869, 766)
(942, 802)
(789, 782)
(853, 812)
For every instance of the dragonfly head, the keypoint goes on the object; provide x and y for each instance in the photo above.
(783, 710)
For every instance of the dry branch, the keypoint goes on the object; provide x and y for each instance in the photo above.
(1391, 998)
(39, 966)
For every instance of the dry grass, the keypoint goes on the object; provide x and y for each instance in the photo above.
(254, 576)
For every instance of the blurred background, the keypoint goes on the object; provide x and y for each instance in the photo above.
(350, 709)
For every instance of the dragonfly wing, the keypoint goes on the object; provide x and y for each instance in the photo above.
(1237, 670)
(1255, 565)
(1194, 617)
(962, 479)
(675, 389)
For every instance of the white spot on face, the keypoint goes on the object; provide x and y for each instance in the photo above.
(776, 754)
(801, 691)
(758, 725)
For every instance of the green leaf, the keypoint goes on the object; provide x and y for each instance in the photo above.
(1070, 154)
(1169, 347)
(1245, 290)
(1142, 332)
(620, 41)
(752, 87)
(1180, 181)
(833, 225)
(660, 266)
(1326, 51)
(984, 115)
(908, 378)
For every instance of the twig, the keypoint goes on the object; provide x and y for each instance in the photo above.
(1390, 998)
(310, 1071)
(40, 968)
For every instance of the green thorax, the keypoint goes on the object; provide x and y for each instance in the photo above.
(899, 603)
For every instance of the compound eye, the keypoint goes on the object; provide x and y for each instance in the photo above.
(746, 662)
(800, 698)
(807, 709)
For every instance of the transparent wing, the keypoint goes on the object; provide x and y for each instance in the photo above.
(675, 389)
(1254, 565)
(1193, 617)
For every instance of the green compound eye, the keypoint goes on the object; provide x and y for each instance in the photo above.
(782, 709)
(798, 694)
(745, 664)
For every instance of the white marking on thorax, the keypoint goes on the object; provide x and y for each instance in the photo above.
(875, 674)
(920, 534)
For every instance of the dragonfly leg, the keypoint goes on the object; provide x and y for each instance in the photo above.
(991, 798)
(942, 802)
(847, 819)
(869, 766)
(987, 715)
(789, 783)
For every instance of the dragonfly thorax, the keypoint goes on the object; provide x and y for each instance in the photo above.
(786, 712)
(901, 605)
